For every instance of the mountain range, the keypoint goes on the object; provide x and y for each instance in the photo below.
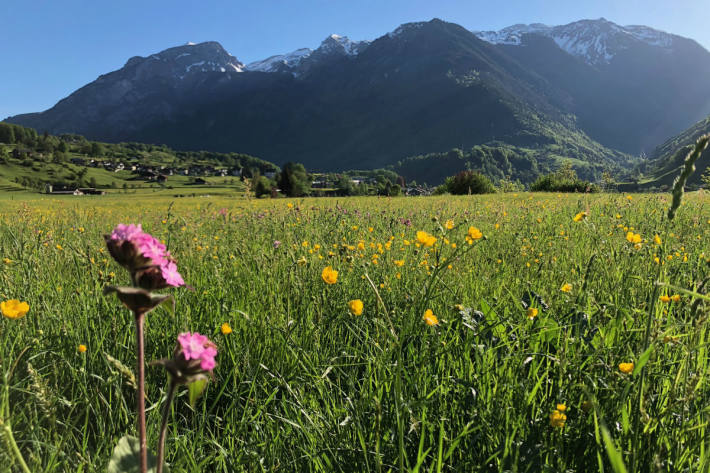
(591, 92)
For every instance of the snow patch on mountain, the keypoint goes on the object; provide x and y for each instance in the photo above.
(401, 29)
(342, 44)
(279, 61)
(512, 34)
(594, 41)
(290, 62)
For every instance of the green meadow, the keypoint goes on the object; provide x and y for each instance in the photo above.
(566, 333)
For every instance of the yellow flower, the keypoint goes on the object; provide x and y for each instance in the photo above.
(355, 307)
(626, 368)
(289, 205)
(425, 239)
(557, 419)
(226, 329)
(14, 309)
(566, 287)
(675, 297)
(664, 298)
(657, 240)
(59, 247)
(430, 318)
(580, 216)
(473, 234)
(81, 348)
(329, 275)
(449, 224)
(531, 313)
(561, 407)
(399, 262)
(632, 237)
(7, 260)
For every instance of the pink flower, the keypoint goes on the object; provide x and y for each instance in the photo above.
(195, 346)
(170, 274)
(208, 363)
(126, 232)
(147, 259)
(150, 247)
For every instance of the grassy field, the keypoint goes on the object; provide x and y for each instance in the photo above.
(521, 372)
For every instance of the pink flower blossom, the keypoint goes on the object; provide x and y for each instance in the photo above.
(126, 232)
(196, 346)
(170, 274)
(151, 248)
(207, 362)
(144, 256)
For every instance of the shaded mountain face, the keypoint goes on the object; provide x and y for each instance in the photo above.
(118, 104)
(629, 86)
(424, 88)
(667, 159)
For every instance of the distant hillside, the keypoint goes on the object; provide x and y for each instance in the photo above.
(30, 160)
(665, 162)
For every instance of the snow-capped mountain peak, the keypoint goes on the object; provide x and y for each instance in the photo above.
(292, 62)
(185, 60)
(342, 44)
(280, 62)
(595, 41)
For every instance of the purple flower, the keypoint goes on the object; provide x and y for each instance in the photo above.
(277, 243)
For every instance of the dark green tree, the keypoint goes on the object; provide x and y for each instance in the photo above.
(97, 149)
(261, 186)
(7, 134)
(293, 180)
(469, 182)
(345, 186)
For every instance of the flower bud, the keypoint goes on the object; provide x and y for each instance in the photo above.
(125, 253)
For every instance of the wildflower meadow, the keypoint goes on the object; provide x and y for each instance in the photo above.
(514, 332)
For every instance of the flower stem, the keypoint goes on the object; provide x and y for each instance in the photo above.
(164, 425)
(140, 318)
(10, 439)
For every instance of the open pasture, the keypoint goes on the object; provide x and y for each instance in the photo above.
(554, 342)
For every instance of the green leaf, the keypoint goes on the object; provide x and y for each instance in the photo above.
(126, 457)
(195, 390)
(617, 463)
(140, 300)
(643, 359)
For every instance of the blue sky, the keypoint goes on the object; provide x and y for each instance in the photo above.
(51, 48)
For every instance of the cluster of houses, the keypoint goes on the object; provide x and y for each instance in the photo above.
(152, 173)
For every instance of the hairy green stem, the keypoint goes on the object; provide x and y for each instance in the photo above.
(140, 318)
(164, 424)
